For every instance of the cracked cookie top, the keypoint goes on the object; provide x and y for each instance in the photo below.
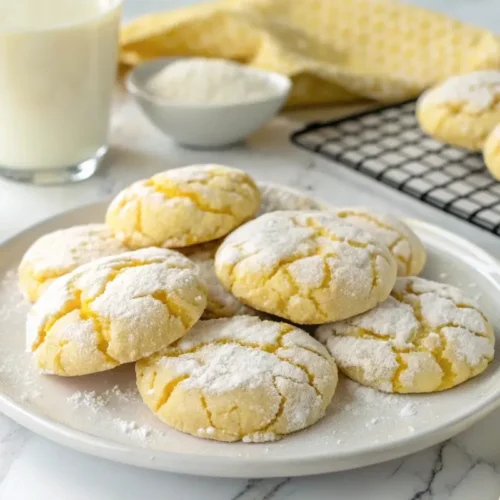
(425, 337)
(463, 109)
(183, 207)
(114, 310)
(401, 241)
(58, 253)
(308, 267)
(220, 302)
(239, 378)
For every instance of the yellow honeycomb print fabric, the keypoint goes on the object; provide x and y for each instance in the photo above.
(333, 50)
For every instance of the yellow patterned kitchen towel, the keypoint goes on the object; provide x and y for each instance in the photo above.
(333, 50)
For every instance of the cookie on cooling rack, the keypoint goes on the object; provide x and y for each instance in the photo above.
(491, 152)
(462, 110)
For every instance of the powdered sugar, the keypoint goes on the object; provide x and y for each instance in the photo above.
(409, 410)
(425, 321)
(389, 318)
(121, 291)
(13, 303)
(203, 81)
(219, 368)
(276, 197)
(100, 405)
(308, 245)
(250, 358)
(403, 243)
(95, 402)
(208, 431)
(476, 91)
(89, 400)
(62, 251)
(131, 427)
(260, 437)
(309, 271)
(220, 302)
(183, 207)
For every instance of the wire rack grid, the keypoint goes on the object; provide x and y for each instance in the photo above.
(388, 145)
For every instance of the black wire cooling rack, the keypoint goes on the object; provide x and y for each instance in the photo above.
(388, 145)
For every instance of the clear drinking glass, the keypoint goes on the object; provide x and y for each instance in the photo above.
(58, 63)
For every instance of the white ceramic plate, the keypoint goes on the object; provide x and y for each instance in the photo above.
(362, 426)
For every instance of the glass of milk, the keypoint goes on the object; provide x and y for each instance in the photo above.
(58, 62)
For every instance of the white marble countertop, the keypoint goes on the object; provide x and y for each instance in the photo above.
(32, 468)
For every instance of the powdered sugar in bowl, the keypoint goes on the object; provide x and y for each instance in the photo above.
(206, 103)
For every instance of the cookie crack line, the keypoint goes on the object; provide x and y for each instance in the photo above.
(310, 376)
(269, 348)
(279, 413)
(170, 192)
(323, 232)
(282, 265)
(460, 305)
(203, 401)
(401, 236)
(423, 332)
(85, 308)
(168, 391)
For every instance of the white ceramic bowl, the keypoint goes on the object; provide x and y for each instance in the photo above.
(206, 125)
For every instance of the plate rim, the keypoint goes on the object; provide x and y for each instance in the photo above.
(226, 466)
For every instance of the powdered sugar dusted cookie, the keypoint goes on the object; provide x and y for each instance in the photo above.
(220, 302)
(308, 267)
(184, 206)
(239, 378)
(114, 310)
(462, 110)
(402, 242)
(58, 253)
(275, 197)
(491, 152)
(425, 337)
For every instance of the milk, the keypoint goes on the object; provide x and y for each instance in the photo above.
(57, 70)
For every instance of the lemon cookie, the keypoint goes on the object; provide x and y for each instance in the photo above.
(425, 337)
(491, 152)
(463, 110)
(220, 302)
(402, 242)
(308, 267)
(239, 378)
(58, 253)
(275, 197)
(114, 310)
(184, 206)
